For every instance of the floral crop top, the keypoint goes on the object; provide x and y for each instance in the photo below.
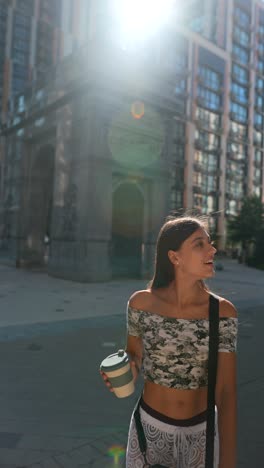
(175, 350)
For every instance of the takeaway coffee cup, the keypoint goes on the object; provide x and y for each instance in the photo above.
(118, 371)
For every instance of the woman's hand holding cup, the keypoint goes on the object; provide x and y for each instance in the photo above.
(119, 373)
(107, 383)
(134, 370)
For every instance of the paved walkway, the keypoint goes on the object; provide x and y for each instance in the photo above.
(55, 411)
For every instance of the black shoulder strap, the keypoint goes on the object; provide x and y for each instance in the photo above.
(212, 372)
(140, 430)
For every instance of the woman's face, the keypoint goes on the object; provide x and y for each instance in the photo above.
(196, 255)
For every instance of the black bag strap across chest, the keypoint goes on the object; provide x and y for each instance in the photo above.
(212, 373)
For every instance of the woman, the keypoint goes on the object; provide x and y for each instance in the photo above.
(168, 340)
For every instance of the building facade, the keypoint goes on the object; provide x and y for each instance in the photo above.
(197, 145)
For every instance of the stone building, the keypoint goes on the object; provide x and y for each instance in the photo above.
(88, 167)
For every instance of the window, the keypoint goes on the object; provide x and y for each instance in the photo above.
(240, 73)
(242, 17)
(237, 130)
(240, 112)
(20, 57)
(259, 101)
(208, 140)
(260, 48)
(211, 120)
(18, 85)
(260, 67)
(208, 162)
(257, 175)
(211, 183)
(210, 78)
(257, 138)
(240, 93)
(25, 6)
(206, 203)
(260, 84)
(180, 88)
(258, 156)
(209, 98)
(258, 120)
(177, 198)
(197, 178)
(237, 150)
(212, 162)
(241, 54)
(232, 207)
(257, 191)
(235, 168)
(241, 36)
(261, 29)
(179, 131)
(22, 20)
(21, 33)
(20, 71)
(234, 187)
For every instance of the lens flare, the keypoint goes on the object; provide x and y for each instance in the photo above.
(117, 452)
(136, 136)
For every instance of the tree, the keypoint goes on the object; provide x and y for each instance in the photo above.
(247, 227)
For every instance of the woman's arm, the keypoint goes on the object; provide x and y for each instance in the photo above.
(226, 397)
(134, 350)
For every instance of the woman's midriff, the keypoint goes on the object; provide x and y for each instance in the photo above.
(178, 404)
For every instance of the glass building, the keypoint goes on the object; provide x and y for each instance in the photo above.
(214, 50)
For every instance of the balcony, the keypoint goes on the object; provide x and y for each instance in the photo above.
(205, 125)
(239, 137)
(204, 169)
(204, 146)
(233, 156)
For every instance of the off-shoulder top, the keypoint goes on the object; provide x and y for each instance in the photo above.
(175, 350)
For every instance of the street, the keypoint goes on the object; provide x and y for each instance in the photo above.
(55, 410)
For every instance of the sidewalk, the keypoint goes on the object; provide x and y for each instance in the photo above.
(33, 301)
(55, 412)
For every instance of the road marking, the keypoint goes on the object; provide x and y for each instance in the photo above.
(108, 344)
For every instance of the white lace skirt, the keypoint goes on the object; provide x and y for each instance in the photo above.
(169, 445)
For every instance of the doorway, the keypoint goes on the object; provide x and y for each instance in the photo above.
(127, 231)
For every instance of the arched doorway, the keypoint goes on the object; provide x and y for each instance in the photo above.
(127, 231)
(40, 206)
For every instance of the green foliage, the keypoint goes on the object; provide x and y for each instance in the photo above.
(248, 225)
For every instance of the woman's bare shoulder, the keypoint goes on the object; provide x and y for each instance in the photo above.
(140, 299)
(226, 308)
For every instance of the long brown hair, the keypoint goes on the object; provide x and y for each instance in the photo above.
(171, 236)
